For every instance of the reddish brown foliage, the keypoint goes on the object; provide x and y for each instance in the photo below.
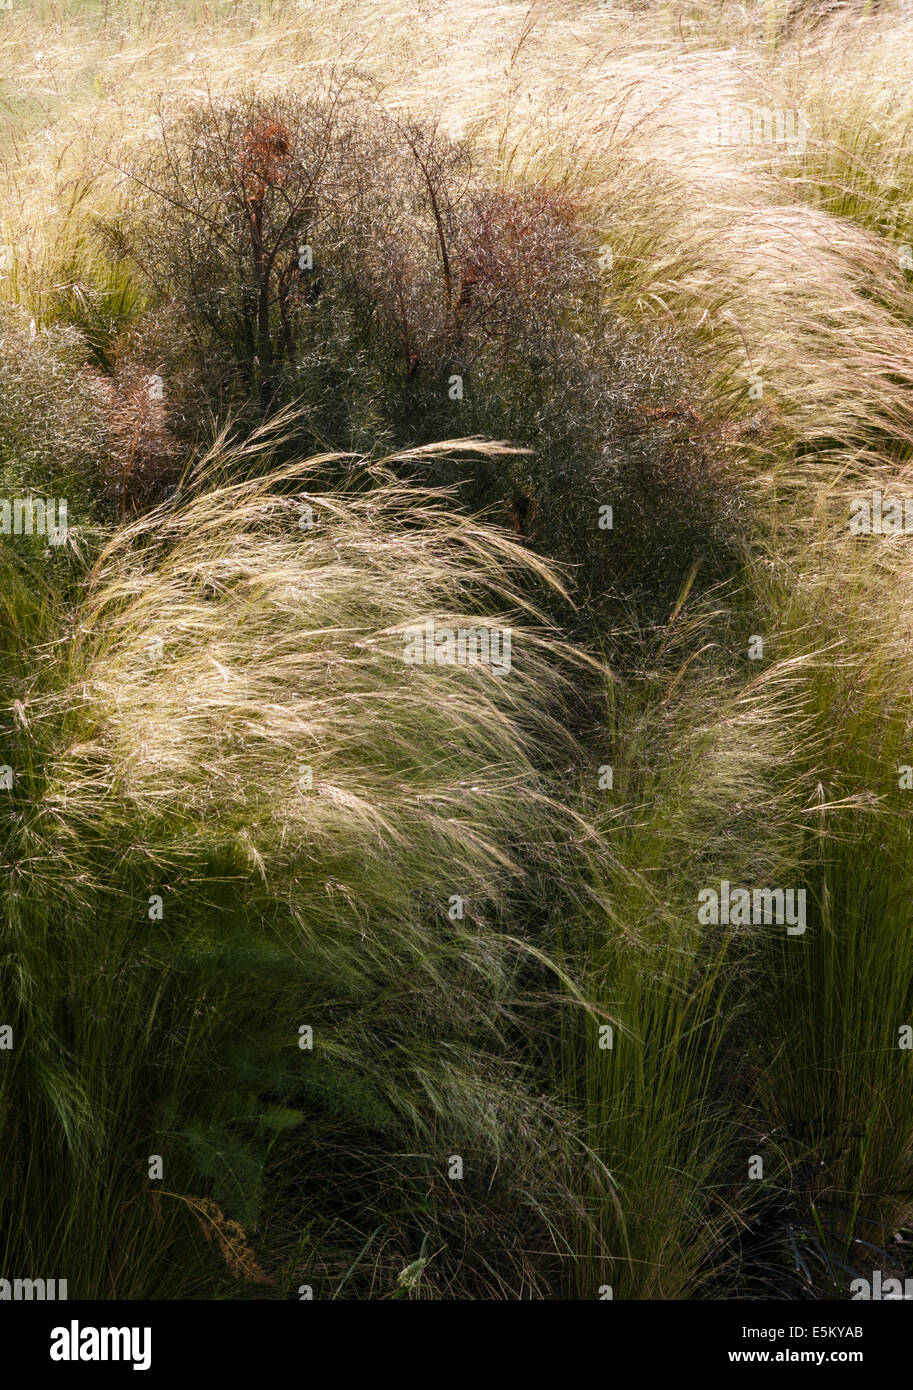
(263, 160)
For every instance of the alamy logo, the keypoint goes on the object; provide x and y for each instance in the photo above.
(881, 516)
(75, 1343)
(756, 125)
(26, 516)
(743, 907)
(27, 1290)
(463, 646)
(878, 1289)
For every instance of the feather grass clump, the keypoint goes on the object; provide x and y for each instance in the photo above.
(238, 815)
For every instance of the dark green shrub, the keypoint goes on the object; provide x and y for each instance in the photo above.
(317, 249)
